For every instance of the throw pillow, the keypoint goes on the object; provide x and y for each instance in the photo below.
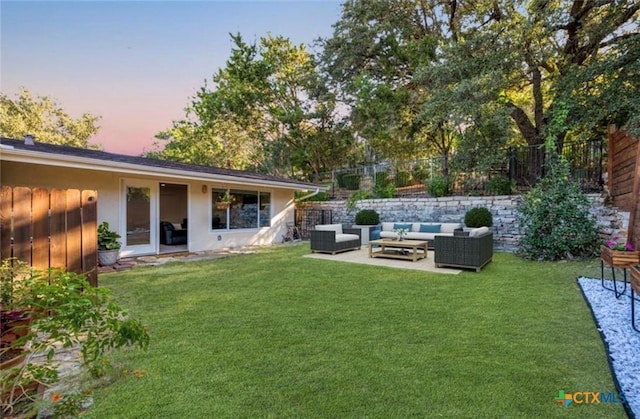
(430, 228)
(399, 226)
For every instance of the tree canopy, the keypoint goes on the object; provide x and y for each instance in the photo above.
(268, 110)
(405, 79)
(45, 119)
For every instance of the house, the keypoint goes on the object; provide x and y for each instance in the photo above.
(160, 206)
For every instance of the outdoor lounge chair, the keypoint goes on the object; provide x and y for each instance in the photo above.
(170, 235)
(462, 251)
(334, 238)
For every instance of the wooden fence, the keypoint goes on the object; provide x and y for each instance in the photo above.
(624, 177)
(50, 228)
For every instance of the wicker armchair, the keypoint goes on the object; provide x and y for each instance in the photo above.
(464, 251)
(334, 238)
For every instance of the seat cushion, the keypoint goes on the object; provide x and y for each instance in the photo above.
(346, 237)
(477, 232)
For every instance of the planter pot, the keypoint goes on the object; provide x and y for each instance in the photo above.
(364, 232)
(108, 257)
(222, 205)
(619, 258)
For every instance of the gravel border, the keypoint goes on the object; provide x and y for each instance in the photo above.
(622, 343)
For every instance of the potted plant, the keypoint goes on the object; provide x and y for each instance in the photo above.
(224, 200)
(618, 254)
(478, 217)
(365, 220)
(108, 245)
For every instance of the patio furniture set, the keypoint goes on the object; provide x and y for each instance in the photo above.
(453, 246)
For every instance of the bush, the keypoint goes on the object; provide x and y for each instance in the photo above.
(351, 181)
(386, 191)
(403, 179)
(420, 172)
(478, 217)
(356, 196)
(367, 217)
(382, 179)
(555, 220)
(500, 185)
(438, 186)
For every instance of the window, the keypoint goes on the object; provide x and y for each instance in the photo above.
(246, 209)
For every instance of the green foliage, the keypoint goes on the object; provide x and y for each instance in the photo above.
(386, 191)
(351, 181)
(367, 217)
(44, 119)
(355, 197)
(478, 217)
(107, 239)
(500, 185)
(319, 197)
(420, 172)
(269, 110)
(382, 179)
(65, 310)
(403, 178)
(555, 220)
(437, 186)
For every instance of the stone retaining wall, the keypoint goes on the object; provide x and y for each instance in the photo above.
(613, 223)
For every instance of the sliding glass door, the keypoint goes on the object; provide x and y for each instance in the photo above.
(139, 223)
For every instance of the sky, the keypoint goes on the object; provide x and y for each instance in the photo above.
(137, 64)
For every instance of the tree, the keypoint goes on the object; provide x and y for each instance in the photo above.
(535, 58)
(268, 110)
(448, 62)
(44, 119)
(374, 55)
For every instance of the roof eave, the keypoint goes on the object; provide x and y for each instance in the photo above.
(10, 153)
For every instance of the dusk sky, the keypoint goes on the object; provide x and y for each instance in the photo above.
(137, 64)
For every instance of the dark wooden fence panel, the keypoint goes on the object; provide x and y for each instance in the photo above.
(622, 151)
(54, 228)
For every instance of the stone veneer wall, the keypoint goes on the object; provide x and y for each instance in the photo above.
(452, 209)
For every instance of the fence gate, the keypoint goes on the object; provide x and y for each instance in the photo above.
(307, 219)
(50, 228)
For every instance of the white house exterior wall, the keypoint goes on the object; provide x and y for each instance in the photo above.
(200, 235)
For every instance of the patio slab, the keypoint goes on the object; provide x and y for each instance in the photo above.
(362, 256)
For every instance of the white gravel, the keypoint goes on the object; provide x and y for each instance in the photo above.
(613, 319)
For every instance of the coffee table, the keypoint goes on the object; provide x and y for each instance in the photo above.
(412, 250)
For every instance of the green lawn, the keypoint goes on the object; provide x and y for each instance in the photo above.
(274, 334)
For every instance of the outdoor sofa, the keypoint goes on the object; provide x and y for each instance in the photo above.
(470, 249)
(419, 230)
(334, 238)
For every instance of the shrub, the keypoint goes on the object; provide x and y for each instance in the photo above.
(438, 186)
(500, 185)
(420, 172)
(356, 196)
(403, 178)
(386, 191)
(478, 217)
(65, 310)
(351, 181)
(555, 220)
(382, 179)
(367, 217)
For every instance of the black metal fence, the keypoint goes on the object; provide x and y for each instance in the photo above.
(522, 165)
(307, 219)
